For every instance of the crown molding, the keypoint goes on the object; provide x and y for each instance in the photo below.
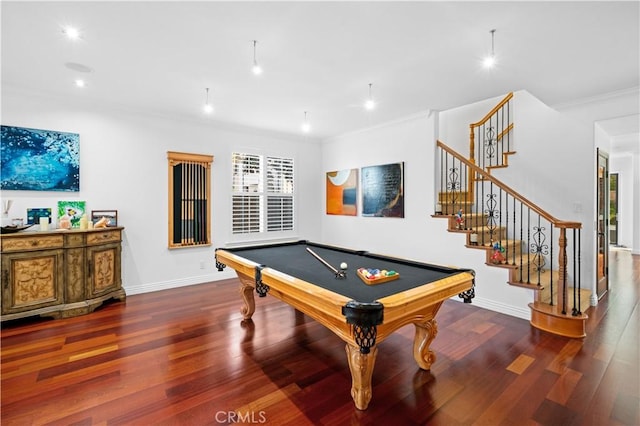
(419, 115)
(597, 98)
(117, 108)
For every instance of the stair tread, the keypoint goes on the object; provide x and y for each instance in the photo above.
(555, 310)
(503, 243)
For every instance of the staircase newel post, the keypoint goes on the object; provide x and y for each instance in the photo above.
(562, 268)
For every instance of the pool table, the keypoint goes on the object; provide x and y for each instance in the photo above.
(361, 314)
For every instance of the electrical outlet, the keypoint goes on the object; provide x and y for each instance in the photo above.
(202, 264)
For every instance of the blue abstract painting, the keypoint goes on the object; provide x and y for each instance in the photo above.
(39, 160)
(383, 190)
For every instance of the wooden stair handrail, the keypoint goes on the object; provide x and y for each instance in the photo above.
(472, 134)
(505, 131)
(556, 222)
(493, 111)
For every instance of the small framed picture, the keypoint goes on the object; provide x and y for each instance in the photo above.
(110, 216)
(34, 215)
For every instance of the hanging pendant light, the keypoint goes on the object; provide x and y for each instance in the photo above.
(490, 61)
(207, 108)
(306, 127)
(370, 103)
(256, 68)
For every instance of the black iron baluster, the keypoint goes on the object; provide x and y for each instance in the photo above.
(528, 245)
(490, 143)
(458, 185)
(501, 133)
(460, 199)
(472, 206)
(446, 171)
(506, 225)
(442, 178)
(574, 311)
(492, 214)
(564, 275)
(514, 235)
(477, 204)
(484, 234)
(480, 150)
(501, 237)
(509, 122)
(521, 241)
(539, 249)
(551, 265)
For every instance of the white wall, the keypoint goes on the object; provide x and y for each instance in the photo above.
(590, 111)
(124, 167)
(417, 236)
(623, 165)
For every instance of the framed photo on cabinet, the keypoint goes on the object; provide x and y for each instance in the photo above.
(110, 215)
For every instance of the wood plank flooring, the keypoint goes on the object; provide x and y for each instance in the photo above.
(183, 357)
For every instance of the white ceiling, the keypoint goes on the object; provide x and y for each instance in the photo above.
(319, 56)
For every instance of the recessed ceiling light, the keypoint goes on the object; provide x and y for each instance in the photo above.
(72, 33)
(80, 83)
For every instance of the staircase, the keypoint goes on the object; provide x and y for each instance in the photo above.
(536, 250)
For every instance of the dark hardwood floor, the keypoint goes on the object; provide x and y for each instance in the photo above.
(183, 357)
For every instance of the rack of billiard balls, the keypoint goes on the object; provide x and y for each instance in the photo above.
(372, 276)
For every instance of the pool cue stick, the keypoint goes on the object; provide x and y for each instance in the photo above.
(325, 263)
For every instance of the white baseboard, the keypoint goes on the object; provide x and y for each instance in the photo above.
(182, 282)
(514, 311)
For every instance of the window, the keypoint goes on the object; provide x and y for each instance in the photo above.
(262, 194)
(189, 199)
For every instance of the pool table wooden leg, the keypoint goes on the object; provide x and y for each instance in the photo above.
(426, 331)
(361, 366)
(246, 291)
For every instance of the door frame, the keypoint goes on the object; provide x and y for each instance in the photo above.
(602, 223)
(615, 241)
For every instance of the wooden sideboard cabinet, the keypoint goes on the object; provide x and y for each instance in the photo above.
(60, 273)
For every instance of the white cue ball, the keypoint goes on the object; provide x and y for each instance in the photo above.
(343, 265)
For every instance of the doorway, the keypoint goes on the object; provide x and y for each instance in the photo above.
(613, 209)
(602, 219)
